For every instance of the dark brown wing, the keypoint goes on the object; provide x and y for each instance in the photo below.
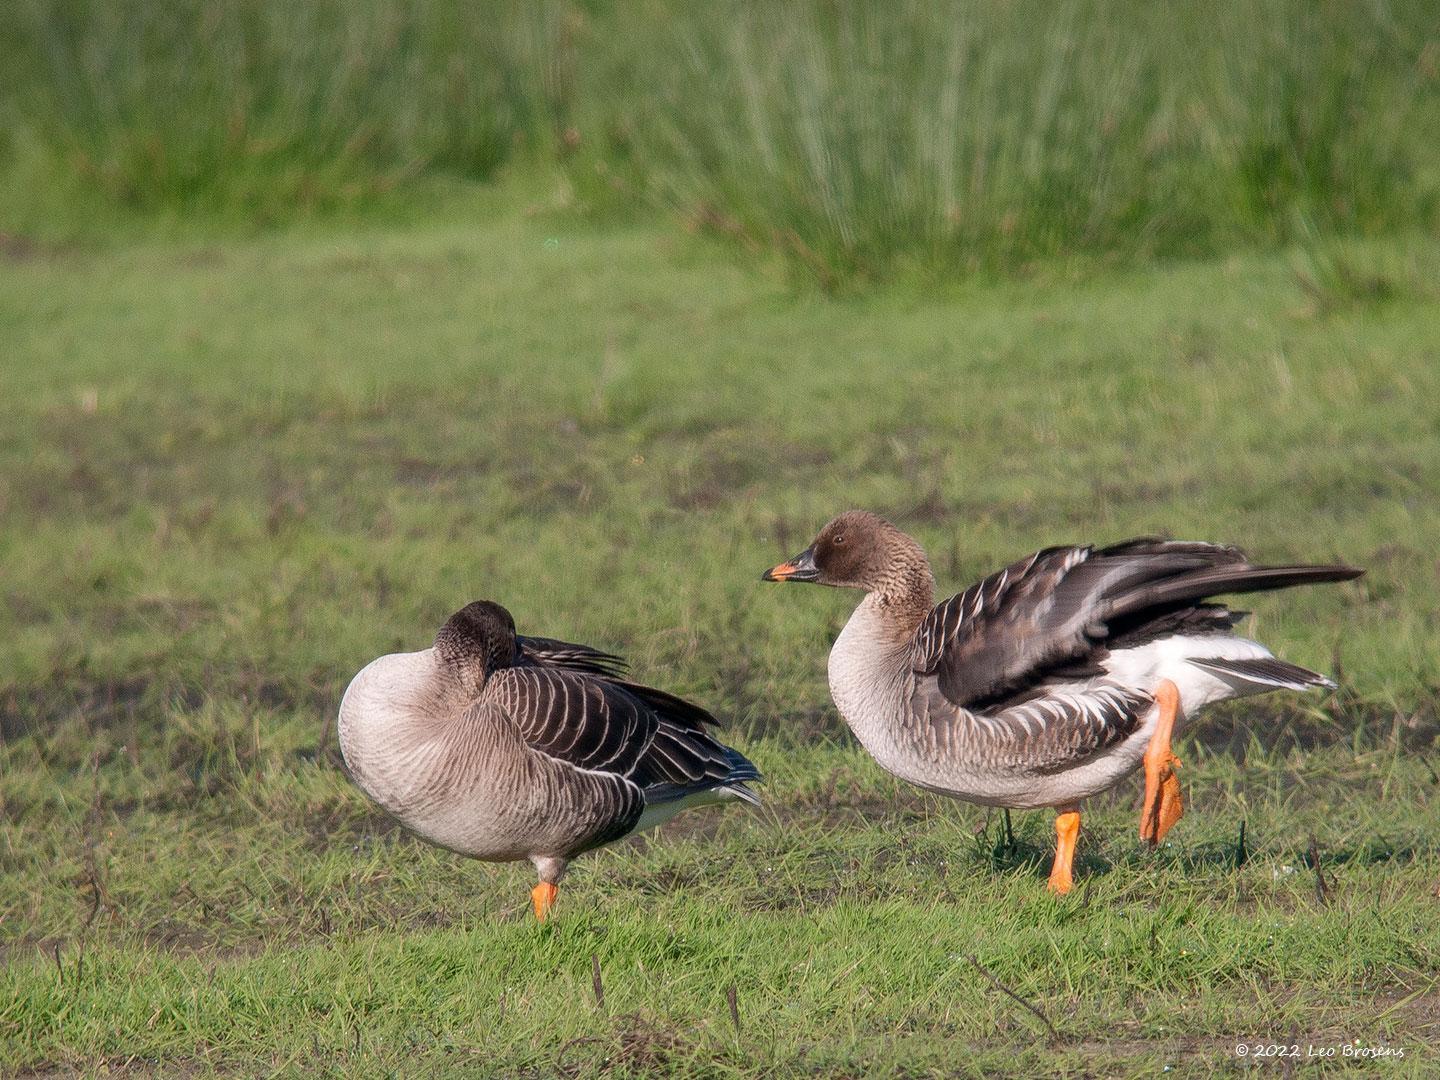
(604, 725)
(575, 718)
(551, 652)
(684, 756)
(1057, 609)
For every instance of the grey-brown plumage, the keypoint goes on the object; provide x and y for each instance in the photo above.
(506, 747)
(1035, 686)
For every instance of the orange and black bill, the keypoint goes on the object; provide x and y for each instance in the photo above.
(800, 568)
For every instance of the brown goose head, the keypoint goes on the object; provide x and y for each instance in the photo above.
(858, 550)
(477, 640)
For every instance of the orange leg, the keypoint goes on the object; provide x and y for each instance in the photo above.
(1067, 830)
(1162, 806)
(542, 898)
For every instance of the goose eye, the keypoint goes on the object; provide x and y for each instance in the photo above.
(840, 539)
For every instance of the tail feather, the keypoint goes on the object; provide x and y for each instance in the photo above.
(744, 794)
(742, 772)
(1267, 671)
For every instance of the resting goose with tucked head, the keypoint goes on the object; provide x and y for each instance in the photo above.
(1049, 681)
(504, 747)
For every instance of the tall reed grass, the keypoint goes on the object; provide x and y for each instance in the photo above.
(859, 139)
(270, 105)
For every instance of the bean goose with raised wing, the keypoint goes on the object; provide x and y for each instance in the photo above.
(1051, 680)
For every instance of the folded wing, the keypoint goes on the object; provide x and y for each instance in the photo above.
(600, 723)
(551, 652)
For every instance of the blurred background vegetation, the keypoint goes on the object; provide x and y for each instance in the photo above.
(854, 141)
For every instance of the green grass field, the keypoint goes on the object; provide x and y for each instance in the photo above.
(233, 469)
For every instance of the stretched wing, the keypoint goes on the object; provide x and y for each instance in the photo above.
(1000, 633)
(1050, 616)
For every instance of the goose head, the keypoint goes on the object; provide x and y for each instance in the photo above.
(857, 550)
(476, 641)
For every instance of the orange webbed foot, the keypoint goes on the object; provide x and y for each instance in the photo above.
(1067, 831)
(542, 898)
(1162, 806)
